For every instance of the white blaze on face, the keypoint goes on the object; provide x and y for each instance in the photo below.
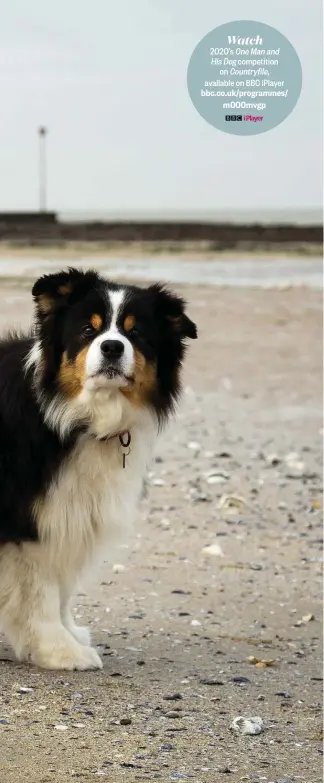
(96, 361)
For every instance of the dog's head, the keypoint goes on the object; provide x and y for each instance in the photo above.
(97, 336)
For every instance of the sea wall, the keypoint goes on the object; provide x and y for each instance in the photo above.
(34, 228)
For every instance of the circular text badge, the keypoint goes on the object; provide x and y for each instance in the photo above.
(244, 77)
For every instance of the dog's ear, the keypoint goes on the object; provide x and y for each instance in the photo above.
(53, 291)
(171, 308)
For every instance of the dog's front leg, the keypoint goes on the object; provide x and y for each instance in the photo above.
(30, 612)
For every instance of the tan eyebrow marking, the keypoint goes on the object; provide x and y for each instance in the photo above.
(96, 321)
(129, 323)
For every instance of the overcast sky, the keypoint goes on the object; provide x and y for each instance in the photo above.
(108, 78)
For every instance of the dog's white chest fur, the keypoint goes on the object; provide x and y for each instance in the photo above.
(92, 501)
(89, 505)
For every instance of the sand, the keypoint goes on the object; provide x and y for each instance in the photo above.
(173, 620)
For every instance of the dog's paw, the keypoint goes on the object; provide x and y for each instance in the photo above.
(68, 655)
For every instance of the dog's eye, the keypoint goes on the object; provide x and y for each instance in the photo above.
(134, 332)
(88, 330)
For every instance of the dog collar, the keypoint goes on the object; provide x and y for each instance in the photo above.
(124, 438)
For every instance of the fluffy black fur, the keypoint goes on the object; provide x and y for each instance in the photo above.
(30, 452)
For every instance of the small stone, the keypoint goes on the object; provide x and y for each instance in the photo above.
(283, 780)
(247, 725)
(241, 680)
(210, 681)
(307, 618)
(125, 721)
(173, 714)
(195, 623)
(61, 727)
(225, 771)
(179, 591)
(273, 460)
(264, 664)
(316, 505)
(194, 446)
(200, 497)
(176, 727)
(173, 697)
(283, 694)
(251, 659)
(292, 456)
(118, 568)
(158, 482)
(22, 689)
(4, 722)
(295, 469)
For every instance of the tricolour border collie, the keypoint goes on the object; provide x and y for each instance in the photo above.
(81, 401)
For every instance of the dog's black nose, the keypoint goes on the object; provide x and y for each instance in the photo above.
(112, 349)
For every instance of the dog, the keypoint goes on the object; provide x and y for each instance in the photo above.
(83, 397)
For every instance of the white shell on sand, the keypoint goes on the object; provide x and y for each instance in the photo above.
(213, 549)
(247, 725)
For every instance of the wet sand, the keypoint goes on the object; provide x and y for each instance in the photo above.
(232, 269)
(177, 620)
(202, 249)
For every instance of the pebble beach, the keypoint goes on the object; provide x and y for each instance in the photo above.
(212, 610)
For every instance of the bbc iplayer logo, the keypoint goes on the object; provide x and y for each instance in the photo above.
(241, 117)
